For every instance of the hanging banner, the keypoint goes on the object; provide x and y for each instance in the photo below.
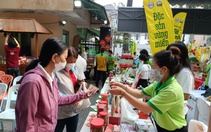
(160, 24)
(105, 37)
(179, 22)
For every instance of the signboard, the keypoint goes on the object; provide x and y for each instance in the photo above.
(179, 22)
(160, 24)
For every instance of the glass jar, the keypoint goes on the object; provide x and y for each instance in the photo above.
(104, 97)
(105, 103)
(97, 125)
(100, 107)
(104, 116)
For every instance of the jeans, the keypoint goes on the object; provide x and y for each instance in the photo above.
(13, 71)
(71, 124)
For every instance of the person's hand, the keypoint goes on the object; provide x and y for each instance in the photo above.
(90, 92)
(117, 84)
(75, 104)
(116, 90)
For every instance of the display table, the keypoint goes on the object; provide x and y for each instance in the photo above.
(123, 127)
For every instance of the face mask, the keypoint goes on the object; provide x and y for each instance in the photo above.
(59, 66)
(70, 66)
(159, 76)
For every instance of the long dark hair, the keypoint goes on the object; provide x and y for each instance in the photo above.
(49, 47)
(170, 59)
(184, 59)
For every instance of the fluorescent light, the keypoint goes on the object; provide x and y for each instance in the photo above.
(77, 3)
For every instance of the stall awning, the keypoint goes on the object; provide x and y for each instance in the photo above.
(97, 12)
(22, 25)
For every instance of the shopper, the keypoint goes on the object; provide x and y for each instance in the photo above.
(38, 98)
(81, 65)
(12, 50)
(167, 100)
(68, 85)
(185, 76)
(84, 54)
(111, 61)
(142, 73)
(101, 63)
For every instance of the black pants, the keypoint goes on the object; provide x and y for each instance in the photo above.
(183, 129)
(142, 82)
(100, 74)
(70, 123)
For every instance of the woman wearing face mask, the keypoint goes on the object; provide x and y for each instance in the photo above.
(167, 100)
(142, 73)
(38, 98)
(68, 85)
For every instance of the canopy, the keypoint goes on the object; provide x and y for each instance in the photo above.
(23, 25)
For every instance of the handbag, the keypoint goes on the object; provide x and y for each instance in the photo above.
(84, 103)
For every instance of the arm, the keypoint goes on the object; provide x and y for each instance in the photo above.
(18, 45)
(144, 107)
(26, 106)
(70, 99)
(134, 92)
(6, 40)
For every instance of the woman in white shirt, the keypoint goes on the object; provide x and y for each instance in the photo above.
(185, 76)
(143, 72)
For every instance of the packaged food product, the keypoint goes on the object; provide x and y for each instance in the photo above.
(104, 115)
(97, 125)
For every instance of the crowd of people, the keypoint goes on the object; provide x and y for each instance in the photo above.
(49, 90)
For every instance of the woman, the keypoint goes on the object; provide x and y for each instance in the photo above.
(185, 76)
(67, 81)
(38, 97)
(143, 73)
(167, 100)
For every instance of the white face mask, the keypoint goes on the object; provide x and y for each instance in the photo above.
(70, 66)
(159, 76)
(59, 66)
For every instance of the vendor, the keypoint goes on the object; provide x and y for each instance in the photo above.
(167, 100)
(12, 49)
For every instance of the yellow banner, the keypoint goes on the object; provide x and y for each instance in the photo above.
(179, 22)
(160, 24)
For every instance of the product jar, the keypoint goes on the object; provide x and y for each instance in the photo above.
(100, 107)
(104, 97)
(97, 125)
(104, 115)
(105, 103)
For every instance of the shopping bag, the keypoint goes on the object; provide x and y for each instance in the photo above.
(84, 103)
(197, 126)
(128, 114)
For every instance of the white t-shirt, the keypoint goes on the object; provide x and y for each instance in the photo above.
(84, 55)
(80, 65)
(145, 71)
(186, 80)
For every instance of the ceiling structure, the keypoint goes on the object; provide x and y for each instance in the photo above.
(97, 12)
